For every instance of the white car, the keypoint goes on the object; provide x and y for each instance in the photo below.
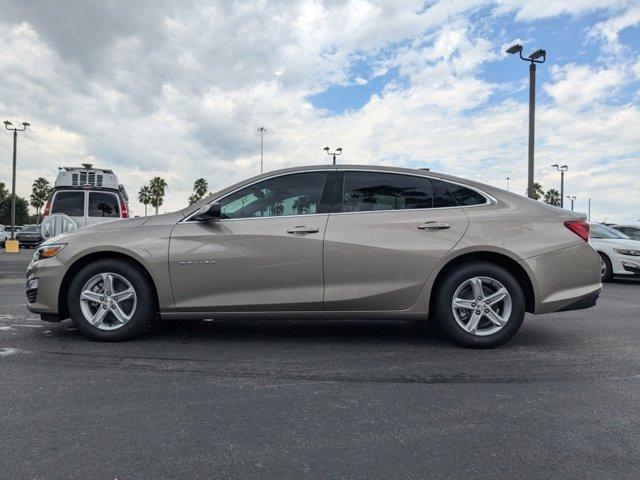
(5, 233)
(632, 231)
(619, 254)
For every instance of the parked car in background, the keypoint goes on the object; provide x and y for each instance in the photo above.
(5, 233)
(326, 241)
(88, 195)
(619, 254)
(29, 236)
(632, 231)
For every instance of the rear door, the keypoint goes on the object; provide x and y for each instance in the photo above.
(388, 233)
(71, 203)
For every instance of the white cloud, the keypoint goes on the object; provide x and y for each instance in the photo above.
(179, 92)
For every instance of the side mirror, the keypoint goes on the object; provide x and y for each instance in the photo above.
(208, 213)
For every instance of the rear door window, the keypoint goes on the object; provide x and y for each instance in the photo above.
(69, 203)
(102, 204)
(374, 191)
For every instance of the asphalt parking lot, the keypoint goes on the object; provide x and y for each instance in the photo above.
(300, 399)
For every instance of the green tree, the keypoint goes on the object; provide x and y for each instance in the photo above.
(538, 192)
(144, 197)
(200, 187)
(22, 211)
(552, 197)
(158, 187)
(40, 191)
(4, 193)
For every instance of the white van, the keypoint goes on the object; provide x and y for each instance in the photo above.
(88, 195)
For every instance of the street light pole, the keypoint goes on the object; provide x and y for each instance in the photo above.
(261, 131)
(507, 179)
(15, 130)
(562, 169)
(338, 151)
(533, 59)
(589, 212)
(573, 199)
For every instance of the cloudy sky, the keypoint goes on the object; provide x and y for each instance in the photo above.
(178, 89)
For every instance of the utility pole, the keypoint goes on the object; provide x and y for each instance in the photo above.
(15, 130)
(261, 131)
(533, 59)
(338, 151)
(562, 169)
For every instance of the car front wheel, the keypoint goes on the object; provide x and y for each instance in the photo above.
(111, 300)
(480, 305)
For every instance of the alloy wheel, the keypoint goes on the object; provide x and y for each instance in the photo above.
(481, 306)
(108, 301)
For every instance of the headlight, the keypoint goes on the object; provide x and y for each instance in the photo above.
(48, 251)
(624, 251)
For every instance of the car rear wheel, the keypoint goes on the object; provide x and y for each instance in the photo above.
(111, 300)
(606, 270)
(480, 305)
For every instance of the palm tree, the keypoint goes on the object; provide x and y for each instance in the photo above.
(40, 191)
(552, 197)
(538, 192)
(144, 197)
(158, 187)
(200, 188)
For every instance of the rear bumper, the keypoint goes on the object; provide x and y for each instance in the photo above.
(587, 301)
(566, 279)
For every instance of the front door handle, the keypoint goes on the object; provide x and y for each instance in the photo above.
(301, 230)
(432, 225)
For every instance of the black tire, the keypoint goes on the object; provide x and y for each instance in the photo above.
(145, 310)
(607, 275)
(444, 298)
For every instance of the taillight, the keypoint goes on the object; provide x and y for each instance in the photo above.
(579, 227)
(47, 208)
(124, 211)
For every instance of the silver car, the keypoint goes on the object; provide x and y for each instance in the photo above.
(326, 242)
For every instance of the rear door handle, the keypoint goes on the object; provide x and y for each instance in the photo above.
(432, 225)
(301, 230)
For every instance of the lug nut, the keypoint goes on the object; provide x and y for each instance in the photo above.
(477, 312)
(473, 304)
(104, 306)
(113, 307)
(486, 310)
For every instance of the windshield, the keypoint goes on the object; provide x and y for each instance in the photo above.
(600, 231)
(30, 228)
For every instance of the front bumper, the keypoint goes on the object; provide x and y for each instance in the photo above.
(43, 298)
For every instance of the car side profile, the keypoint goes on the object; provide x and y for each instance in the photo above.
(329, 242)
(619, 254)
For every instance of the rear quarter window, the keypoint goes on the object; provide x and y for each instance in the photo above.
(465, 197)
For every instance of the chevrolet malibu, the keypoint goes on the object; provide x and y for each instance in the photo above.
(326, 242)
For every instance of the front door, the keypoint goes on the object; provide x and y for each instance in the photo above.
(264, 254)
(388, 235)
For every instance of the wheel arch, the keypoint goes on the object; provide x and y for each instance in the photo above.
(81, 262)
(492, 257)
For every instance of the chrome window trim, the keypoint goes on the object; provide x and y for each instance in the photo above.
(489, 199)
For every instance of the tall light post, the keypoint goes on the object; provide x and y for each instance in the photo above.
(507, 179)
(338, 151)
(572, 198)
(589, 212)
(15, 130)
(533, 59)
(562, 169)
(261, 131)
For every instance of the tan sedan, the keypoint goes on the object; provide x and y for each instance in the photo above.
(328, 242)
